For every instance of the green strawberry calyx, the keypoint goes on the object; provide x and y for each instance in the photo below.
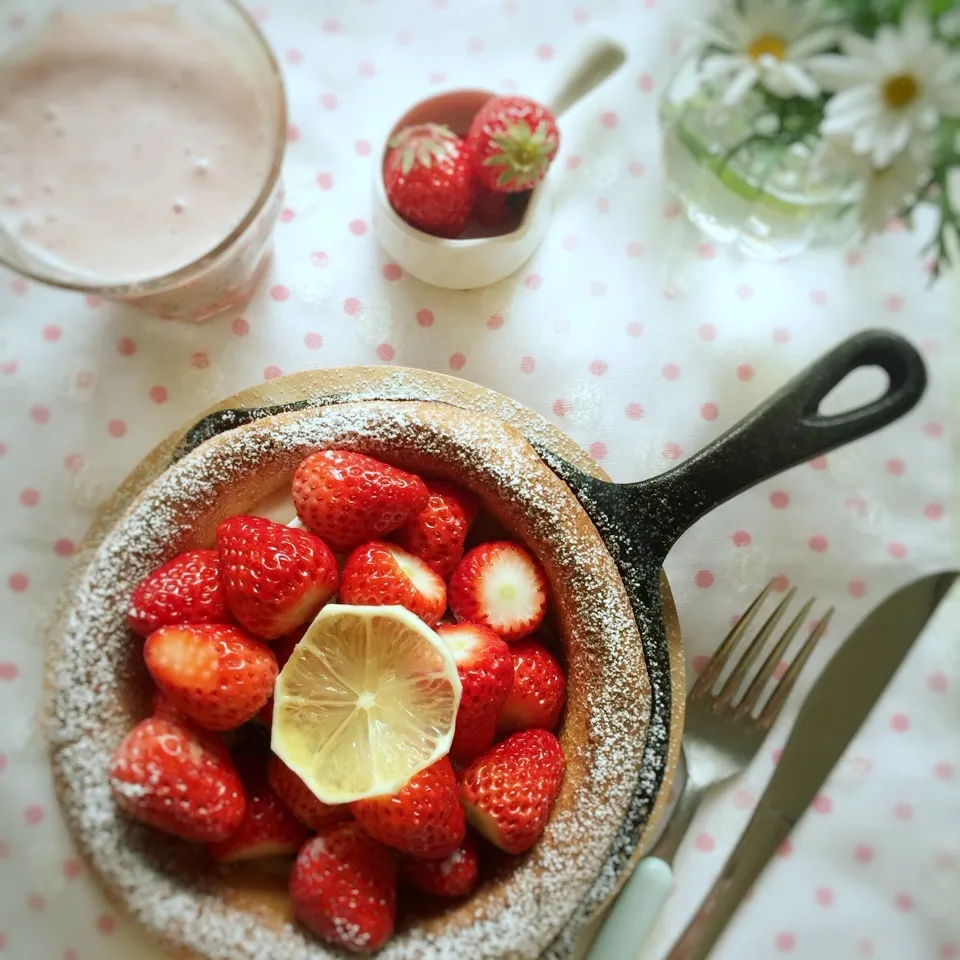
(423, 145)
(524, 154)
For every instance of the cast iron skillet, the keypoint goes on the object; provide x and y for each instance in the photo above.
(640, 522)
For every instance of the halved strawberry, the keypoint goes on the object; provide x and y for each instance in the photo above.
(348, 498)
(178, 779)
(424, 818)
(343, 887)
(436, 534)
(216, 674)
(508, 793)
(298, 797)
(500, 585)
(455, 876)
(186, 589)
(382, 574)
(283, 649)
(485, 667)
(538, 692)
(276, 577)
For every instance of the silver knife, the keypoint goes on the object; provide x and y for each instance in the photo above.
(832, 713)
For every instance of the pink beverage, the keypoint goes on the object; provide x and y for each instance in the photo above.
(140, 147)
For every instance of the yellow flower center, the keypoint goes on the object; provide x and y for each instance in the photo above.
(767, 44)
(900, 91)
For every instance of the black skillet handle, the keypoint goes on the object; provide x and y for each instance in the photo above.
(786, 430)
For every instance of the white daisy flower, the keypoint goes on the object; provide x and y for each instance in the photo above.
(890, 88)
(766, 41)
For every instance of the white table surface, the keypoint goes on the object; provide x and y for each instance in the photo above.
(640, 345)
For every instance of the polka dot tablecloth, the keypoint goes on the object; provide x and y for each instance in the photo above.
(642, 342)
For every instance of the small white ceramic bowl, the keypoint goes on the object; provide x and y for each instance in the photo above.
(479, 261)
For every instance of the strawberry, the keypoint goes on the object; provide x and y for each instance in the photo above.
(214, 673)
(456, 876)
(538, 692)
(485, 667)
(310, 811)
(382, 574)
(508, 793)
(430, 179)
(186, 589)
(268, 828)
(436, 534)
(283, 650)
(276, 577)
(348, 498)
(343, 887)
(424, 818)
(178, 779)
(500, 585)
(513, 141)
(495, 209)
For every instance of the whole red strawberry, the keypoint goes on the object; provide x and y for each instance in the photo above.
(456, 876)
(310, 811)
(214, 673)
(178, 779)
(538, 691)
(186, 589)
(509, 792)
(485, 667)
(500, 585)
(382, 575)
(436, 534)
(513, 141)
(275, 577)
(430, 179)
(348, 498)
(424, 819)
(343, 887)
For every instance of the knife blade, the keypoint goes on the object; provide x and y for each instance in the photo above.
(834, 710)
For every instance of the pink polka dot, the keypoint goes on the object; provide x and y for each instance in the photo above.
(824, 896)
(785, 848)
(475, 45)
(900, 722)
(897, 550)
(33, 814)
(636, 169)
(635, 249)
(743, 799)
(126, 347)
(280, 293)
(271, 372)
(158, 394)
(325, 180)
(293, 133)
(818, 463)
(603, 205)
(106, 924)
(598, 367)
(904, 902)
(779, 499)
(943, 771)
(362, 148)
(785, 941)
(672, 210)
(73, 461)
(391, 272)
(903, 811)
(895, 467)
(494, 321)
(18, 582)
(545, 51)
(84, 379)
(9, 671)
(645, 82)
(852, 258)
(70, 954)
(527, 365)
(19, 286)
(609, 119)
(745, 372)
(634, 411)
(36, 902)
(39, 413)
(781, 335)
(437, 77)
(741, 538)
(533, 281)
(3, 449)
(893, 303)
(457, 361)
(699, 662)
(863, 853)
(707, 331)
(818, 543)
(328, 101)
(598, 450)
(670, 371)
(569, 243)
(818, 297)
(865, 947)
(366, 69)
(635, 329)
(240, 326)
(822, 804)
(9, 367)
(313, 341)
(933, 428)
(4, 849)
(117, 428)
(580, 15)
(948, 951)
(856, 588)
(319, 258)
(744, 292)
(672, 450)
(3, 761)
(933, 511)
(781, 584)
(386, 352)
(573, 161)
(51, 333)
(561, 408)
(598, 288)
(707, 251)
(331, 26)
(287, 215)
(357, 227)
(72, 869)
(29, 497)
(709, 411)
(352, 306)
(704, 579)
(704, 843)
(64, 547)
(937, 682)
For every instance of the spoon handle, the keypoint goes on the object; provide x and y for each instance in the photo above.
(592, 59)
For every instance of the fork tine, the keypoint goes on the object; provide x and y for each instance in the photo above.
(774, 705)
(717, 662)
(749, 657)
(750, 698)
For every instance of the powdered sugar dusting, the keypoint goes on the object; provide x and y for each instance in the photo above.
(95, 668)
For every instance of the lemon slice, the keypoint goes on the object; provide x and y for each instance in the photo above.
(368, 699)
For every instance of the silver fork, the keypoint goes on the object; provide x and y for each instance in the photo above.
(723, 733)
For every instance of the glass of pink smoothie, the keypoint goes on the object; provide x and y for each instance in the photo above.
(141, 145)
